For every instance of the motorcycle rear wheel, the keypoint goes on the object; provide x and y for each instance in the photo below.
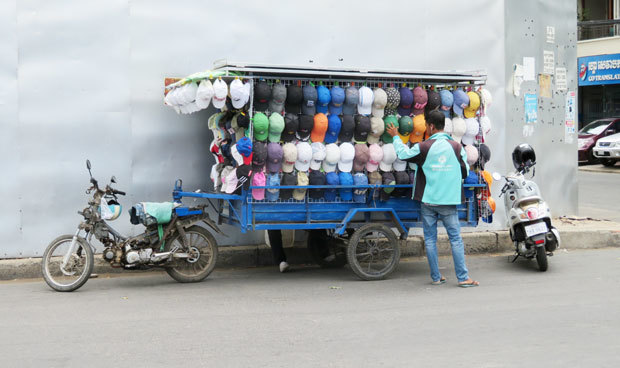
(78, 269)
(541, 259)
(203, 250)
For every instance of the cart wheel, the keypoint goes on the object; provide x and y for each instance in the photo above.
(373, 252)
(325, 251)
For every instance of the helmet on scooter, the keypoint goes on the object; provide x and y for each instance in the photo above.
(523, 156)
(110, 210)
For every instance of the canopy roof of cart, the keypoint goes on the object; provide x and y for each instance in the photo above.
(223, 68)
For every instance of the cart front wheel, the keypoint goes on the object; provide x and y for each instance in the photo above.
(373, 252)
(325, 250)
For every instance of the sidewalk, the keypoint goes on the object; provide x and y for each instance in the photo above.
(576, 233)
(601, 169)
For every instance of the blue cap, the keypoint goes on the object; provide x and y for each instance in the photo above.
(244, 146)
(406, 100)
(323, 99)
(472, 178)
(332, 179)
(335, 106)
(346, 194)
(333, 129)
(461, 101)
(359, 195)
(446, 101)
(272, 194)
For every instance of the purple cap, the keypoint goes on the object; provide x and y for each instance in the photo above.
(274, 157)
(461, 101)
(406, 100)
(420, 99)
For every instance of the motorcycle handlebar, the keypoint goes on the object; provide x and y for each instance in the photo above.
(119, 192)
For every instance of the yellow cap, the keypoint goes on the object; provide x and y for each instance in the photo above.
(419, 127)
(474, 104)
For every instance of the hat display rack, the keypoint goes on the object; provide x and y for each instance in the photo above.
(303, 75)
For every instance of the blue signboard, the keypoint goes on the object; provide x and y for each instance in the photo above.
(599, 69)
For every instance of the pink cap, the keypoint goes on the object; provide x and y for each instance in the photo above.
(375, 156)
(259, 180)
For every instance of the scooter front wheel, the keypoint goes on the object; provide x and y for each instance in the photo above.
(63, 271)
(541, 259)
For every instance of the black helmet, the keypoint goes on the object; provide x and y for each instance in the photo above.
(523, 156)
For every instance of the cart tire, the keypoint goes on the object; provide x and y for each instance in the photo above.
(373, 252)
(203, 244)
(322, 246)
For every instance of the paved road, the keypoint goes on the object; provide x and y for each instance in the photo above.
(566, 317)
(599, 195)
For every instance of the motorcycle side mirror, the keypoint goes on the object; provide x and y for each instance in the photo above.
(113, 179)
(496, 176)
(88, 164)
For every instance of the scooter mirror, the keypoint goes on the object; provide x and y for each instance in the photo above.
(113, 179)
(88, 164)
(496, 176)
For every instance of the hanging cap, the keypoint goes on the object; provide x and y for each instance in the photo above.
(405, 127)
(362, 128)
(332, 156)
(289, 157)
(346, 129)
(258, 180)
(318, 155)
(474, 104)
(337, 100)
(294, 99)
(278, 98)
(308, 105)
(260, 124)
(275, 155)
(406, 101)
(291, 124)
(377, 128)
(323, 99)
(350, 101)
(361, 157)
(389, 156)
(379, 102)
(320, 127)
(391, 119)
(259, 155)
(375, 155)
(364, 104)
(306, 123)
(304, 156)
(220, 89)
(447, 99)
(458, 128)
(420, 99)
(419, 128)
(333, 129)
(204, 94)
(461, 101)
(276, 126)
(262, 94)
(393, 100)
(347, 154)
(239, 93)
(434, 101)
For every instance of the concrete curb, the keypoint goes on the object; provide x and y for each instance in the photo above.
(260, 255)
(601, 169)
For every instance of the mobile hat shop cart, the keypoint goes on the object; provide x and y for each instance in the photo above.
(340, 229)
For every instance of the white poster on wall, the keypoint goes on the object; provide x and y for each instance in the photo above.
(548, 62)
(561, 84)
(550, 34)
(529, 68)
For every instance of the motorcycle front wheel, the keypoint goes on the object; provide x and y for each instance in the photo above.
(76, 271)
(202, 249)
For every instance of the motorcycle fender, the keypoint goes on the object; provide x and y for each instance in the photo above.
(213, 226)
(537, 238)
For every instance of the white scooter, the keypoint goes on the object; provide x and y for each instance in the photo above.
(527, 215)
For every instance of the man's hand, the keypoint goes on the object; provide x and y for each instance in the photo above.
(391, 129)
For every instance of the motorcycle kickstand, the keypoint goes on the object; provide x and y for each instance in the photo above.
(515, 258)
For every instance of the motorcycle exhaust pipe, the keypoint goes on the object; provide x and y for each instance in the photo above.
(156, 257)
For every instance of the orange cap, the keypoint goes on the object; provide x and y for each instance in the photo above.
(320, 128)
(419, 127)
(492, 204)
(487, 177)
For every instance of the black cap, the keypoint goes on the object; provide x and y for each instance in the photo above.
(434, 101)
(244, 172)
(484, 155)
(362, 128)
(243, 120)
(388, 179)
(316, 177)
(401, 178)
(287, 179)
(259, 155)
(308, 106)
(306, 123)
(262, 94)
(294, 98)
(291, 124)
(346, 129)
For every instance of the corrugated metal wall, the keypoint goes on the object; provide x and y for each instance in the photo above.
(84, 80)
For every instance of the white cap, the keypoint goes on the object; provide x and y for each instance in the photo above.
(399, 165)
(239, 93)
(204, 94)
(472, 126)
(236, 155)
(318, 155)
(289, 158)
(332, 156)
(379, 102)
(448, 126)
(231, 182)
(472, 154)
(223, 175)
(458, 128)
(377, 127)
(364, 104)
(304, 156)
(485, 99)
(187, 93)
(220, 89)
(485, 124)
(347, 154)
(170, 98)
(389, 156)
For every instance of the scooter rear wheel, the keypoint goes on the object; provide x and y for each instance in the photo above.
(203, 250)
(541, 259)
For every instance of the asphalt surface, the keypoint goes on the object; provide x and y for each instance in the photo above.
(599, 195)
(518, 317)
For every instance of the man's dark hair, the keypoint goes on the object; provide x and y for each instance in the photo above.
(437, 118)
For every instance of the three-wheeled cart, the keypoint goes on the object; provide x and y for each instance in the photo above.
(339, 232)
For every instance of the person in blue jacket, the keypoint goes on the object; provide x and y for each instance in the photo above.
(442, 166)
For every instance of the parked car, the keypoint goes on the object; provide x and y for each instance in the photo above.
(591, 133)
(607, 150)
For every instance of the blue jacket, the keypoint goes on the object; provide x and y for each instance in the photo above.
(439, 178)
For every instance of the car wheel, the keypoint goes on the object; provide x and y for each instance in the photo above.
(607, 162)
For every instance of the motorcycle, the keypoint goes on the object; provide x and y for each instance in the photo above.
(171, 240)
(528, 216)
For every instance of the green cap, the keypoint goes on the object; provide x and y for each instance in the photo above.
(260, 124)
(276, 126)
(386, 137)
(405, 125)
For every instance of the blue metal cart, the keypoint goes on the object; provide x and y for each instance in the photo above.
(358, 233)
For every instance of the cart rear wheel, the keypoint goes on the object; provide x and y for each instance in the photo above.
(325, 251)
(373, 252)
